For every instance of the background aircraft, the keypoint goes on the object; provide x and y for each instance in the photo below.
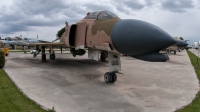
(13, 42)
(105, 34)
(178, 46)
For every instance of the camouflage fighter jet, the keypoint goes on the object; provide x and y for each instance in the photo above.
(106, 35)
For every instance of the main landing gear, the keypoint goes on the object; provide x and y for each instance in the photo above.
(52, 56)
(34, 55)
(43, 54)
(36, 52)
(110, 77)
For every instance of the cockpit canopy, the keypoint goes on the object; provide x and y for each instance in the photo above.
(101, 15)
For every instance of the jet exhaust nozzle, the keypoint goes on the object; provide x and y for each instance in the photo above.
(153, 57)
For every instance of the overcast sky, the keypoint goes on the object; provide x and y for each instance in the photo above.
(29, 18)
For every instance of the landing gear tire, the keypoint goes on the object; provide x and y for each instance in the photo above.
(43, 57)
(114, 77)
(34, 55)
(52, 56)
(110, 77)
(174, 52)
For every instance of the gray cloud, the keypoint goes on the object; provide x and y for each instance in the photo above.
(177, 5)
(54, 13)
(10, 28)
(24, 14)
(150, 2)
(130, 6)
(127, 6)
(134, 4)
(97, 7)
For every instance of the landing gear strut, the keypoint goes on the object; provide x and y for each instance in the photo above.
(34, 55)
(174, 52)
(110, 77)
(43, 54)
(114, 67)
(103, 56)
(37, 51)
(52, 55)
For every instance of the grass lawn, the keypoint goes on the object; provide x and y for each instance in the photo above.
(12, 100)
(195, 105)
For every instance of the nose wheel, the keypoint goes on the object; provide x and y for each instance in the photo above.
(110, 77)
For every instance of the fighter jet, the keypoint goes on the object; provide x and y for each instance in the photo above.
(13, 42)
(178, 46)
(103, 33)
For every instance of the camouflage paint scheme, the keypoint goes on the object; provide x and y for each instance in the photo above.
(106, 36)
(97, 34)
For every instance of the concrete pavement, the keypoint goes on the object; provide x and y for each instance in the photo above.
(77, 85)
(196, 52)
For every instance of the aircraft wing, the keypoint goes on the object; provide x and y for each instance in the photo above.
(43, 41)
(57, 44)
(186, 40)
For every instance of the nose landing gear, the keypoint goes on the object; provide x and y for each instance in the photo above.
(114, 67)
(110, 77)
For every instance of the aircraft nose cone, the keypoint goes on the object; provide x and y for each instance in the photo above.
(135, 37)
(181, 43)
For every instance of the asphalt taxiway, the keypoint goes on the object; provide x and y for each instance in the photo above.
(77, 85)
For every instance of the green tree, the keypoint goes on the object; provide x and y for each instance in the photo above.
(2, 59)
(60, 32)
(181, 38)
(8, 38)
